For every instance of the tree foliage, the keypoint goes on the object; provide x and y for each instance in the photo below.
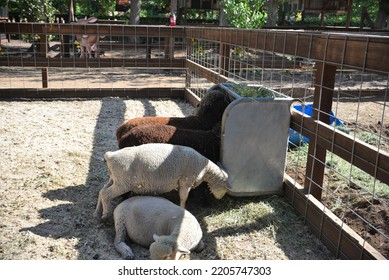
(32, 10)
(245, 13)
(95, 7)
(240, 13)
(44, 10)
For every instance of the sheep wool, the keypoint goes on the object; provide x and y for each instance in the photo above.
(206, 142)
(155, 222)
(158, 168)
(210, 111)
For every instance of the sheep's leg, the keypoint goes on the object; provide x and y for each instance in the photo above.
(99, 207)
(120, 237)
(183, 192)
(106, 196)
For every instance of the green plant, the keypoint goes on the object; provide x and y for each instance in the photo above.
(32, 11)
(252, 91)
(340, 171)
(245, 13)
(352, 175)
(369, 138)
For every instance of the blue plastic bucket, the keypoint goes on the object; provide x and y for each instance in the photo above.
(295, 138)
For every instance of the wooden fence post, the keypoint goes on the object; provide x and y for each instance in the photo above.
(43, 53)
(224, 59)
(322, 103)
(169, 47)
(189, 50)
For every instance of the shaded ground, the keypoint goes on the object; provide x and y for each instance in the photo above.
(52, 170)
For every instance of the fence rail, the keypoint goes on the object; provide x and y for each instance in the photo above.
(315, 62)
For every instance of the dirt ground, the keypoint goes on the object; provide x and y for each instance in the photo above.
(359, 208)
(52, 170)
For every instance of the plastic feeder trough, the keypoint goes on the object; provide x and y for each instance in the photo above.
(254, 138)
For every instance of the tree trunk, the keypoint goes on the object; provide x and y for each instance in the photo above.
(135, 12)
(134, 16)
(173, 6)
(381, 15)
(272, 7)
(223, 18)
(365, 16)
(349, 13)
(71, 12)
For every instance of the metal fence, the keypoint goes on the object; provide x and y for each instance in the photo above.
(45, 60)
(337, 172)
(338, 150)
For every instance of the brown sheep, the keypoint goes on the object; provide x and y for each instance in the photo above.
(206, 143)
(209, 112)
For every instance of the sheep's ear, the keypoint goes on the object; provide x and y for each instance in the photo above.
(223, 170)
(229, 185)
(182, 250)
(155, 237)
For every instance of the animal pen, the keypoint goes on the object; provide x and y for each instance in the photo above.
(337, 172)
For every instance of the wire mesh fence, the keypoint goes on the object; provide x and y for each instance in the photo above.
(339, 135)
(91, 56)
(347, 98)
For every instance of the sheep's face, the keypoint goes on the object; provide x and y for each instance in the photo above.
(212, 105)
(220, 187)
(162, 248)
(219, 190)
(166, 248)
(160, 251)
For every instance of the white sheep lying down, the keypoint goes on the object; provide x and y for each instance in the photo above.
(158, 168)
(168, 229)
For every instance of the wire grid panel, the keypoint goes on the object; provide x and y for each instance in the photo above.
(357, 110)
(119, 57)
(205, 54)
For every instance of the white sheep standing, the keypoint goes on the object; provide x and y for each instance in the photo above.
(158, 168)
(168, 229)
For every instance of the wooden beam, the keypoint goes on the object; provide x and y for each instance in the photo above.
(43, 48)
(206, 73)
(45, 77)
(224, 62)
(102, 29)
(191, 97)
(339, 238)
(100, 62)
(92, 92)
(364, 156)
(359, 51)
(322, 104)
(342, 49)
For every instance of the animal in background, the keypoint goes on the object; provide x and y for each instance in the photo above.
(88, 42)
